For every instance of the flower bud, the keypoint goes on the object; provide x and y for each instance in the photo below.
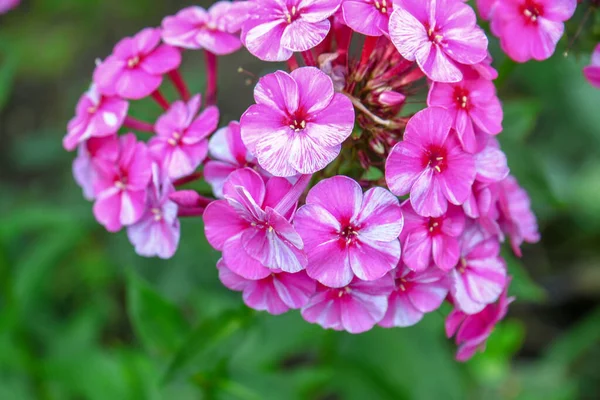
(390, 98)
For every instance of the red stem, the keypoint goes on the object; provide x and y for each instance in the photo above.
(309, 59)
(188, 179)
(160, 99)
(343, 38)
(179, 84)
(368, 47)
(211, 78)
(292, 63)
(137, 125)
(190, 212)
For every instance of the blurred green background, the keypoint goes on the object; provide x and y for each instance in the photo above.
(83, 317)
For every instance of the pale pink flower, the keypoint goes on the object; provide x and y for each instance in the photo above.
(228, 154)
(439, 35)
(120, 184)
(355, 308)
(592, 71)
(278, 28)
(347, 233)
(368, 17)
(531, 28)
(196, 28)
(298, 123)
(135, 68)
(157, 232)
(430, 164)
(83, 165)
(181, 141)
(416, 294)
(253, 234)
(7, 5)
(277, 293)
(516, 217)
(474, 106)
(427, 240)
(480, 276)
(472, 331)
(95, 116)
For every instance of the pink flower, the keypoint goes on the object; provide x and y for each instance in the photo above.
(121, 182)
(474, 106)
(298, 123)
(472, 331)
(355, 308)
(96, 116)
(7, 5)
(278, 28)
(136, 67)
(490, 163)
(592, 71)
(427, 239)
(83, 166)
(276, 293)
(486, 8)
(254, 235)
(228, 154)
(430, 164)
(516, 217)
(531, 28)
(480, 276)
(181, 144)
(157, 232)
(196, 28)
(368, 17)
(439, 35)
(416, 293)
(349, 234)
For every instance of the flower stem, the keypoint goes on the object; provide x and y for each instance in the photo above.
(368, 47)
(292, 63)
(291, 197)
(179, 84)
(211, 78)
(361, 107)
(137, 125)
(160, 99)
(188, 179)
(343, 38)
(190, 212)
(309, 59)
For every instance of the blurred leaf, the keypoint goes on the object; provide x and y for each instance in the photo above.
(522, 286)
(372, 174)
(158, 323)
(8, 69)
(520, 116)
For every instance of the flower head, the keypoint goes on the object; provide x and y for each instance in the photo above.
(368, 17)
(181, 144)
(355, 308)
(592, 71)
(298, 123)
(121, 181)
(276, 293)
(83, 166)
(157, 232)
(430, 164)
(415, 294)
(96, 116)
(278, 28)
(196, 28)
(439, 35)
(247, 227)
(347, 233)
(135, 68)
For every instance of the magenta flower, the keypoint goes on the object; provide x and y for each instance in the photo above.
(181, 144)
(474, 106)
(157, 232)
(592, 71)
(228, 154)
(253, 234)
(298, 123)
(416, 293)
(135, 68)
(480, 276)
(196, 28)
(83, 166)
(355, 308)
(427, 239)
(95, 116)
(7, 5)
(439, 35)
(531, 28)
(277, 293)
(491, 163)
(278, 28)
(121, 182)
(349, 234)
(430, 164)
(516, 217)
(368, 17)
(472, 331)
(486, 8)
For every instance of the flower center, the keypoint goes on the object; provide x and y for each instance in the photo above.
(174, 139)
(381, 6)
(434, 225)
(349, 235)
(462, 265)
(92, 109)
(532, 11)
(402, 284)
(297, 126)
(435, 158)
(133, 62)
(121, 180)
(291, 14)
(435, 35)
(157, 214)
(344, 291)
(461, 97)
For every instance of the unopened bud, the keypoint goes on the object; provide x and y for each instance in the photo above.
(390, 98)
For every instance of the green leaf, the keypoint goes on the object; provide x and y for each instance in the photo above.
(520, 117)
(158, 323)
(522, 286)
(372, 174)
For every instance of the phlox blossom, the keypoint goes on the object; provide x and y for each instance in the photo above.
(84, 172)
(368, 17)
(592, 71)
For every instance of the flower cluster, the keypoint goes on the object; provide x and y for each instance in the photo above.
(328, 195)
(592, 71)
